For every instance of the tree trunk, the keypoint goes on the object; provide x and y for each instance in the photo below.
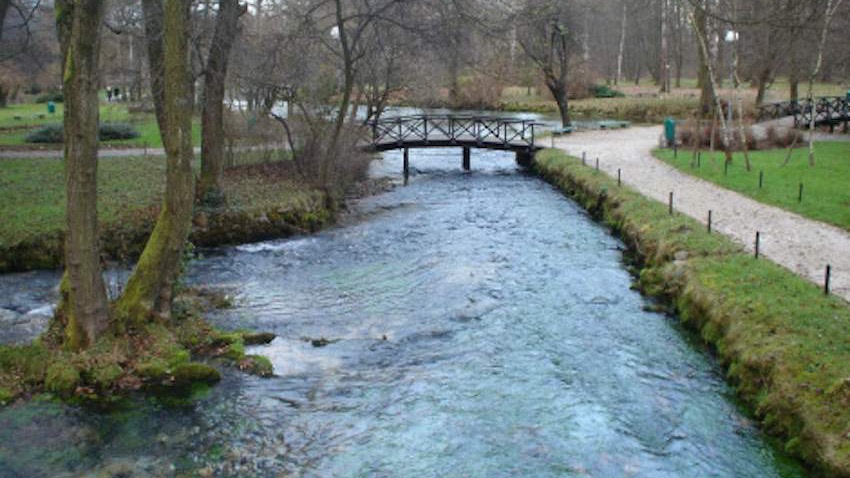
(664, 66)
(84, 309)
(212, 118)
(153, 18)
(622, 47)
(454, 83)
(763, 80)
(559, 92)
(4, 9)
(149, 291)
(706, 100)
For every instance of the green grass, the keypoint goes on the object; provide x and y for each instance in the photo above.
(826, 194)
(32, 193)
(785, 344)
(13, 131)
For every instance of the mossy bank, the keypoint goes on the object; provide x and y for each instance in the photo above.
(171, 358)
(262, 202)
(783, 343)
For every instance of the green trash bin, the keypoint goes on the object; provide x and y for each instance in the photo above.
(670, 132)
(51, 107)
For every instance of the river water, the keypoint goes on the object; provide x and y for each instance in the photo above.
(473, 325)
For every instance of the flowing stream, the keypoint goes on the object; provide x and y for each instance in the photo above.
(467, 325)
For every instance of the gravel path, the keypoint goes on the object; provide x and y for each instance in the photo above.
(102, 153)
(120, 152)
(799, 244)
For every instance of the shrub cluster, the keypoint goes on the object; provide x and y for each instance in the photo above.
(54, 96)
(697, 134)
(54, 133)
(604, 91)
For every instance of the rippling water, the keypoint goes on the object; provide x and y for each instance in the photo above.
(477, 325)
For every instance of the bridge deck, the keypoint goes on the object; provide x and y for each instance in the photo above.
(436, 131)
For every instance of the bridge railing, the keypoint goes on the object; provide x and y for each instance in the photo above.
(826, 109)
(487, 131)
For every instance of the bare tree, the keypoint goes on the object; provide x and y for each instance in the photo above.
(831, 8)
(547, 36)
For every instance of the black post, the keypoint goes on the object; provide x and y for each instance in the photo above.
(406, 165)
(827, 278)
(467, 155)
(709, 221)
(619, 177)
(758, 244)
(597, 164)
(699, 160)
(800, 194)
(671, 203)
(761, 179)
(584, 158)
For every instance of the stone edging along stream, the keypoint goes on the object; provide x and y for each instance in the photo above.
(784, 345)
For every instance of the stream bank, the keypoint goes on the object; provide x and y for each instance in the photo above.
(782, 342)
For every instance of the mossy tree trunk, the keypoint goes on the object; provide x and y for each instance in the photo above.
(150, 290)
(84, 309)
(153, 19)
(212, 119)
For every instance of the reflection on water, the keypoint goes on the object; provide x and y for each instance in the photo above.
(475, 325)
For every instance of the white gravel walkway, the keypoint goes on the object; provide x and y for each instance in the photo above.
(802, 245)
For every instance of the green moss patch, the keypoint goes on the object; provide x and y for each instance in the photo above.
(785, 345)
(160, 358)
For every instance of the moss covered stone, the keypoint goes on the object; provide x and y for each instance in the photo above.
(257, 365)
(6, 396)
(257, 338)
(105, 375)
(195, 372)
(61, 378)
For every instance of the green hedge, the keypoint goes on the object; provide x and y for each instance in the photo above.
(54, 133)
(54, 96)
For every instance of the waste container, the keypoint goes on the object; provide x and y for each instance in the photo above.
(670, 132)
(51, 107)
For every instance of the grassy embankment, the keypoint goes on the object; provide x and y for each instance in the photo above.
(826, 195)
(784, 345)
(263, 202)
(18, 120)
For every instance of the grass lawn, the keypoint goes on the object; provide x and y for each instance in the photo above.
(33, 115)
(32, 192)
(826, 186)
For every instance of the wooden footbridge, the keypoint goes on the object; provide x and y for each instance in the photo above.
(828, 111)
(447, 131)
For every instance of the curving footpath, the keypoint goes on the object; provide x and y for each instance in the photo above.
(802, 245)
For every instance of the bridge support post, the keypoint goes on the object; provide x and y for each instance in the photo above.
(525, 158)
(467, 158)
(406, 165)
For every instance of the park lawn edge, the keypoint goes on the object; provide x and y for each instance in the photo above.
(784, 345)
(836, 219)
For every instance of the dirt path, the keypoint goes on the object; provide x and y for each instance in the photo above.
(801, 245)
